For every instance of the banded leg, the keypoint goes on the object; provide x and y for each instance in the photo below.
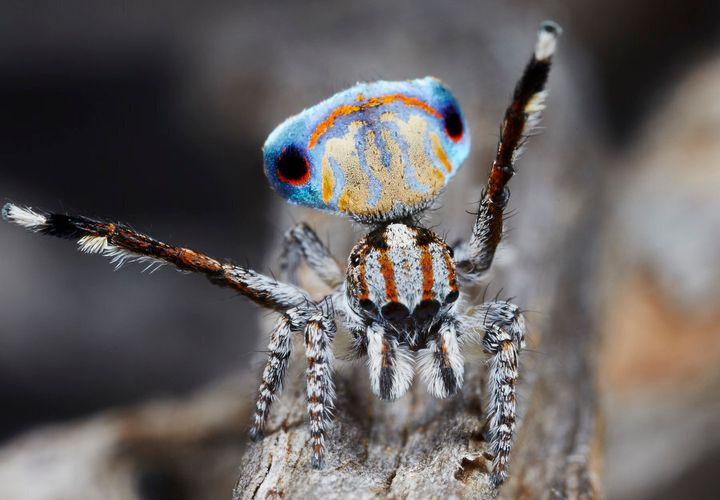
(390, 364)
(273, 376)
(319, 334)
(441, 363)
(122, 244)
(521, 117)
(302, 241)
(504, 338)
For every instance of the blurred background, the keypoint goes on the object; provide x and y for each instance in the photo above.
(154, 113)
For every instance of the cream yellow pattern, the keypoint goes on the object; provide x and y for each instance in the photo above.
(356, 188)
(394, 188)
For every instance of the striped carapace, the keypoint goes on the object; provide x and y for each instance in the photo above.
(403, 275)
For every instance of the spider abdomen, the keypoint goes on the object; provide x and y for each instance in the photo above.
(376, 151)
(401, 274)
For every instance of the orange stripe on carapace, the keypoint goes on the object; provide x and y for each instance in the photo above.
(451, 272)
(386, 268)
(373, 102)
(426, 265)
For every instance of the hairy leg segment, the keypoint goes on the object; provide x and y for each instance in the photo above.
(503, 327)
(302, 242)
(521, 117)
(299, 314)
(122, 244)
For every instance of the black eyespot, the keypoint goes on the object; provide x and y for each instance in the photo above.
(292, 166)
(453, 123)
(355, 260)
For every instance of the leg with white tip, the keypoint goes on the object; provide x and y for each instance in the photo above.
(521, 117)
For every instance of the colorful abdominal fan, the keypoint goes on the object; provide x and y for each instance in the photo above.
(376, 151)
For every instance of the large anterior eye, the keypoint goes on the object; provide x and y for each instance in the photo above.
(292, 166)
(453, 122)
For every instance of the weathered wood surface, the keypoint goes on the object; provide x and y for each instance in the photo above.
(420, 447)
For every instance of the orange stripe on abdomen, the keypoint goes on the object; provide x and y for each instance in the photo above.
(373, 102)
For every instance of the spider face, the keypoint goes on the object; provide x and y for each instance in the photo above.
(403, 276)
(377, 151)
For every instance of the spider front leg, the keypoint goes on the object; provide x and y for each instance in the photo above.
(523, 114)
(273, 376)
(319, 334)
(504, 327)
(319, 331)
(123, 244)
(302, 241)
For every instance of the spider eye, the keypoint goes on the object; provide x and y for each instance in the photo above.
(453, 123)
(292, 166)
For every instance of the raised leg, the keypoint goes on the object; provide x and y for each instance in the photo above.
(441, 363)
(319, 334)
(302, 241)
(504, 327)
(123, 244)
(520, 118)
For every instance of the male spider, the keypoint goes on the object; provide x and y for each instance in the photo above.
(380, 153)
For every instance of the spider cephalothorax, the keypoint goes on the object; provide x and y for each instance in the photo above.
(401, 282)
(380, 153)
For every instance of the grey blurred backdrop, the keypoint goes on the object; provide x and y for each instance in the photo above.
(154, 113)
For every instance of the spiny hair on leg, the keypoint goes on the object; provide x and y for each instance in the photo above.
(30, 219)
(79, 228)
(118, 256)
(502, 406)
(504, 332)
(477, 320)
(273, 376)
(319, 333)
